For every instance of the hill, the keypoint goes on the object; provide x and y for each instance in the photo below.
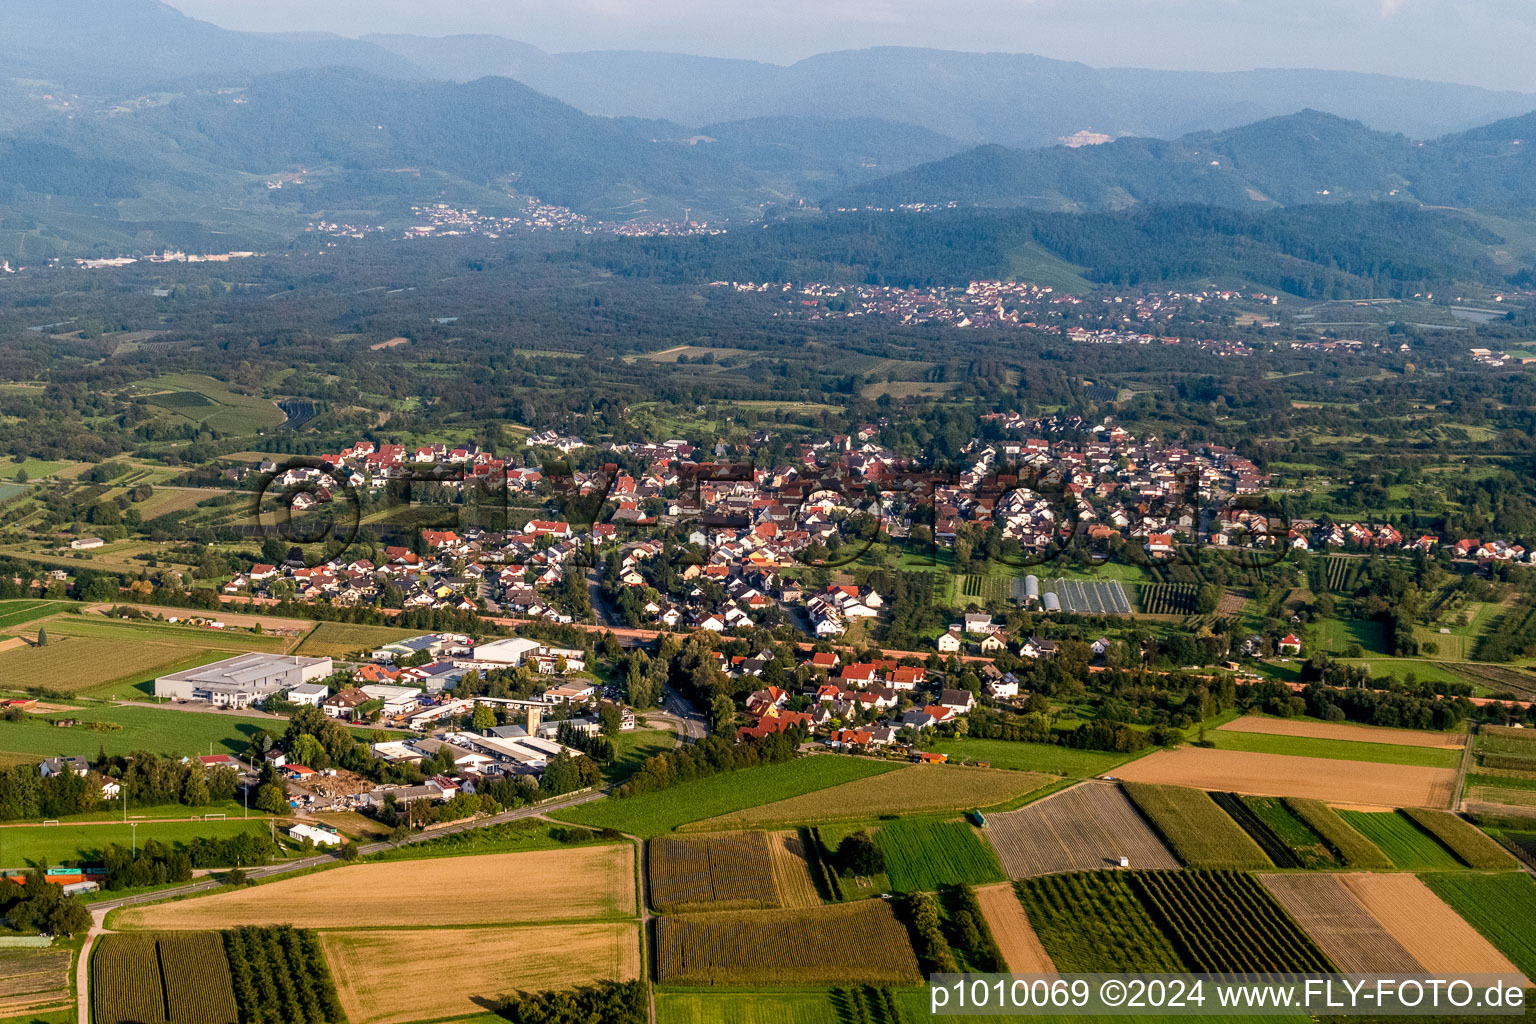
(1017, 100)
(1310, 157)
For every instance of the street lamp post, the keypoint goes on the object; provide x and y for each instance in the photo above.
(135, 826)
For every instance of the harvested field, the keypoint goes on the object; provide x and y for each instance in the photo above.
(1502, 907)
(594, 881)
(1431, 932)
(1386, 785)
(366, 966)
(1199, 832)
(33, 980)
(1340, 731)
(1015, 936)
(1087, 827)
(920, 789)
(717, 872)
(1340, 924)
(852, 943)
(791, 871)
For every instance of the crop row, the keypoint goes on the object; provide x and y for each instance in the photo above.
(853, 943)
(125, 981)
(280, 976)
(1273, 846)
(1198, 832)
(1093, 921)
(922, 856)
(1472, 847)
(1343, 841)
(1225, 922)
(1167, 598)
(731, 869)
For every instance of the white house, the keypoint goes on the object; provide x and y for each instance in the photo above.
(309, 694)
(318, 836)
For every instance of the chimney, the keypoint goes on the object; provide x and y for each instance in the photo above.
(533, 721)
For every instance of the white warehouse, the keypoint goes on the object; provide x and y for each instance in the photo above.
(243, 680)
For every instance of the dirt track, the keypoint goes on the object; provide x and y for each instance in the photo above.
(1010, 926)
(1344, 782)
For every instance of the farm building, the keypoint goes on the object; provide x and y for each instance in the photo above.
(243, 680)
(318, 836)
(310, 694)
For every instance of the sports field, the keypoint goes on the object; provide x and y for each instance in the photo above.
(545, 885)
(123, 730)
(25, 846)
(917, 789)
(366, 966)
(1358, 782)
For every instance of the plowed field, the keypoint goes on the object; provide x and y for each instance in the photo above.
(1087, 827)
(1338, 923)
(1010, 926)
(1431, 932)
(1339, 782)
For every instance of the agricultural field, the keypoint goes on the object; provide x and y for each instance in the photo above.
(1342, 573)
(1431, 932)
(631, 749)
(1198, 832)
(792, 878)
(652, 814)
(1501, 907)
(366, 966)
(749, 1006)
(922, 856)
(985, 590)
(1337, 636)
(71, 665)
(1286, 775)
(1343, 842)
(1406, 844)
(16, 613)
(211, 403)
(148, 979)
(1372, 734)
(1277, 850)
(280, 976)
(1049, 758)
(34, 980)
(1504, 770)
(588, 882)
(1095, 922)
(123, 730)
(1469, 844)
(1011, 930)
(851, 943)
(716, 872)
(1225, 922)
(1087, 827)
(865, 1004)
(1166, 598)
(345, 639)
(1305, 846)
(916, 789)
(1438, 756)
(1339, 924)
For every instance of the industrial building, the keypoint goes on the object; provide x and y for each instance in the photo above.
(243, 680)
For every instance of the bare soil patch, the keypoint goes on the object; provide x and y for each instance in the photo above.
(1010, 926)
(1349, 782)
(1340, 925)
(1085, 828)
(1432, 933)
(1340, 731)
(497, 888)
(367, 966)
(391, 343)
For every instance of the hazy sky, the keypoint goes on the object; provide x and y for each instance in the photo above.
(1482, 42)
